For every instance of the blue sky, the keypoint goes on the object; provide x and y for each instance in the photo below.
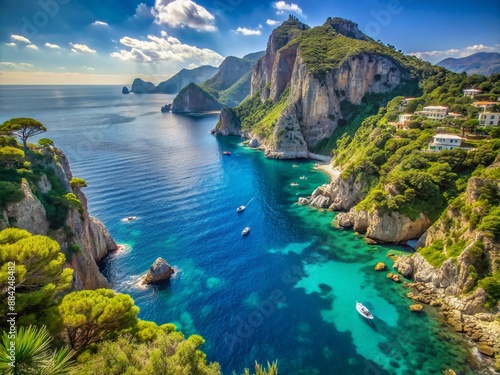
(114, 41)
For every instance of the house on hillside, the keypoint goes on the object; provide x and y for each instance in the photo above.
(433, 112)
(445, 142)
(471, 92)
(489, 119)
(484, 104)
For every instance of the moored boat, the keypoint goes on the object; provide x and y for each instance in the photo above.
(226, 152)
(294, 184)
(363, 310)
(245, 231)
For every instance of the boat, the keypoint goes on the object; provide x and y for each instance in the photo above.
(129, 218)
(303, 177)
(295, 165)
(226, 152)
(242, 207)
(245, 231)
(294, 184)
(363, 310)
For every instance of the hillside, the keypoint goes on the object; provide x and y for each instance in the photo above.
(311, 82)
(393, 189)
(483, 63)
(197, 75)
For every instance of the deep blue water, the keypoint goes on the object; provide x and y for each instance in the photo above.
(285, 292)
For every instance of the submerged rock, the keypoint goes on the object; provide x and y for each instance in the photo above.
(416, 307)
(380, 266)
(160, 270)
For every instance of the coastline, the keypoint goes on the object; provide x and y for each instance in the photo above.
(332, 172)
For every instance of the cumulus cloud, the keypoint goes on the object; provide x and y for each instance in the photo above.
(53, 46)
(11, 44)
(88, 68)
(181, 13)
(436, 56)
(100, 23)
(143, 12)
(20, 38)
(282, 7)
(11, 65)
(165, 48)
(82, 48)
(272, 22)
(32, 46)
(248, 32)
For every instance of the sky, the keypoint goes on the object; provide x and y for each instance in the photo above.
(115, 41)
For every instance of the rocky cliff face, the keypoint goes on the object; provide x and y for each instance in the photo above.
(230, 71)
(314, 104)
(89, 234)
(194, 99)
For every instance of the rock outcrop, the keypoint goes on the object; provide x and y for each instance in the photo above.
(79, 229)
(383, 227)
(125, 90)
(159, 271)
(142, 87)
(193, 99)
(233, 124)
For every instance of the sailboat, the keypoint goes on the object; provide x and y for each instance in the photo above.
(242, 208)
(363, 310)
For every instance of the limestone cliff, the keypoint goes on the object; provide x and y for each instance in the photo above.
(323, 68)
(82, 238)
(194, 99)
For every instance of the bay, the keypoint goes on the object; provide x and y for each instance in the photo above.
(285, 292)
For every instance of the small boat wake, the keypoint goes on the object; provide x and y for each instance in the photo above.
(242, 208)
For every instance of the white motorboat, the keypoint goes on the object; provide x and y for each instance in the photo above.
(303, 177)
(294, 184)
(295, 165)
(363, 310)
(245, 231)
(242, 208)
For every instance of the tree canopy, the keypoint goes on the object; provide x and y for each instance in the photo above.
(39, 275)
(24, 128)
(10, 156)
(89, 316)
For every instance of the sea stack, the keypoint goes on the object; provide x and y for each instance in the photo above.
(160, 270)
(125, 90)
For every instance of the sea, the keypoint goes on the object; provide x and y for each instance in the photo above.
(286, 292)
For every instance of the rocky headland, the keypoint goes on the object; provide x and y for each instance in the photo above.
(84, 239)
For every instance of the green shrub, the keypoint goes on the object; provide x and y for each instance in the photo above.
(10, 192)
(78, 182)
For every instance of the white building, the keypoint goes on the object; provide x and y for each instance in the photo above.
(445, 142)
(489, 119)
(433, 112)
(404, 118)
(471, 92)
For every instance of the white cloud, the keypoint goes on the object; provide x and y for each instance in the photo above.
(61, 67)
(143, 12)
(180, 13)
(82, 48)
(283, 7)
(100, 23)
(248, 32)
(436, 56)
(11, 44)
(88, 68)
(165, 48)
(272, 22)
(32, 46)
(53, 46)
(8, 64)
(20, 38)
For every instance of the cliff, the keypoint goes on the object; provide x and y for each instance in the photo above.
(184, 77)
(142, 87)
(82, 238)
(309, 79)
(194, 99)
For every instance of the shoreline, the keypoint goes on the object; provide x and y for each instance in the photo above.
(332, 172)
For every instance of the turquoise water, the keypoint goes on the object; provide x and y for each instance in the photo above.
(285, 292)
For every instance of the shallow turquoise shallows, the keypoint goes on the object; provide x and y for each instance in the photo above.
(286, 291)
